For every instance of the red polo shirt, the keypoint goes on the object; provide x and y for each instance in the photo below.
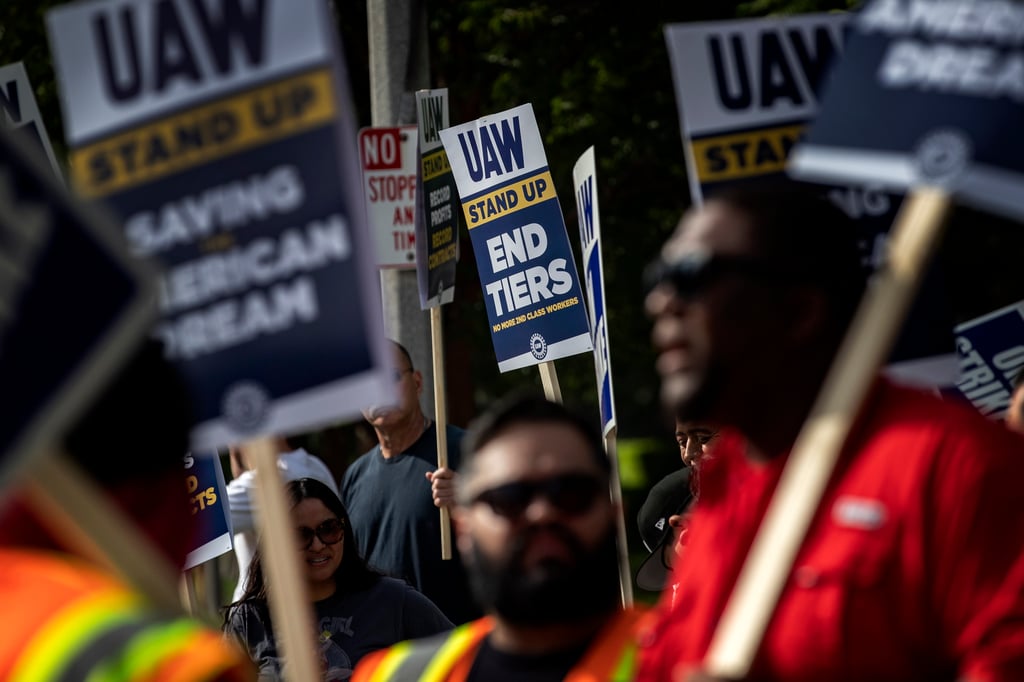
(913, 568)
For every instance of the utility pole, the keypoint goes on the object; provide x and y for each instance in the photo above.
(399, 66)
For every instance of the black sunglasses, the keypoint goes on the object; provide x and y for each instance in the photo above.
(691, 274)
(330, 532)
(570, 494)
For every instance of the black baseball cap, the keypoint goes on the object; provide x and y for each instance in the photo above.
(669, 496)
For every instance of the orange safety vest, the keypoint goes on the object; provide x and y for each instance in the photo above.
(449, 657)
(64, 620)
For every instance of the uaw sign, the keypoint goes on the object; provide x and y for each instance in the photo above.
(584, 175)
(955, 72)
(527, 271)
(389, 159)
(222, 136)
(73, 302)
(745, 89)
(437, 221)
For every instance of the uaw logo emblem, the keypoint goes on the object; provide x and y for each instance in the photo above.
(538, 346)
(246, 406)
(943, 154)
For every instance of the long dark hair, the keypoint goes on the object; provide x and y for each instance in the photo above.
(352, 575)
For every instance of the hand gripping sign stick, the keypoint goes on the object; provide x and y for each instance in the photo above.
(440, 419)
(800, 489)
(290, 607)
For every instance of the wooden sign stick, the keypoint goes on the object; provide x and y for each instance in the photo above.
(625, 575)
(84, 519)
(290, 607)
(188, 593)
(549, 379)
(914, 237)
(440, 419)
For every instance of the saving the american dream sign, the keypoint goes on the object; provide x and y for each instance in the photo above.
(223, 135)
(527, 271)
(924, 95)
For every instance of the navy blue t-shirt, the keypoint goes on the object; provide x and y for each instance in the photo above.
(397, 525)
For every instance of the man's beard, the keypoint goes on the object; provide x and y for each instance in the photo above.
(551, 592)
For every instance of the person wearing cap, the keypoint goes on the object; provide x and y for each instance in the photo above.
(661, 522)
(694, 441)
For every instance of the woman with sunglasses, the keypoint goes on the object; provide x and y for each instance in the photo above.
(357, 609)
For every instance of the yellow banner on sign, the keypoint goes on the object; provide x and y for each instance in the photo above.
(200, 135)
(435, 164)
(508, 199)
(741, 155)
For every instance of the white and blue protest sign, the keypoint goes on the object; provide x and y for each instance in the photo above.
(223, 136)
(20, 111)
(991, 352)
(437, 221)
(526, 266)
(923, 96)
(73, 302)
(584, 177)
(204, 480)
(746, 90)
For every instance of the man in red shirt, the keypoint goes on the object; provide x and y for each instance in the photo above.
(913, 567)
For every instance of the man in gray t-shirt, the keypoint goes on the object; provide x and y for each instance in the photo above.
(393, 492)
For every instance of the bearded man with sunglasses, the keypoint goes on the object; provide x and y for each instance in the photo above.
(536, 526)
(912, 568)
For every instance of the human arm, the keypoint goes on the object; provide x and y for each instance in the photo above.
(240, 502)
(239, 461)
(442, 486)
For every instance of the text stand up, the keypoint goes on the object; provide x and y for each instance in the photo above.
(440, 419)
(82, 517)
(817, 448)
(290, 606)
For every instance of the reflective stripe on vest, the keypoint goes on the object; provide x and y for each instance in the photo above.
(612, 657)
(430, 659)
(104, 637)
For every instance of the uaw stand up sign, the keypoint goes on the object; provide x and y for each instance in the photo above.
(222, 135)
(531, 288)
